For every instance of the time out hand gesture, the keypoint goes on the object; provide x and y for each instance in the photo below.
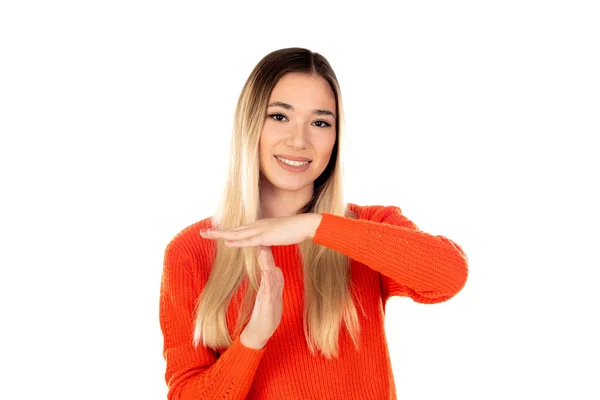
(278, 231)
(268, 305)
(263, 233)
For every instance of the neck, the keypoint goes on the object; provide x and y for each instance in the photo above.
(277, 202)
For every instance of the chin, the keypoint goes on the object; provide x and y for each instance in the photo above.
(291, 186)
(283, 182)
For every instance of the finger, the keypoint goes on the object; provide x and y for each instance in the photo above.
(265, 291)
(238, 235)
(239, 228)
(278, 279)
(270, 258)
(275, 274)
(263, 281)
(274, 290)
(268, 263)
(228, 234)
(263, 288)
(250, 242)
(264, 258)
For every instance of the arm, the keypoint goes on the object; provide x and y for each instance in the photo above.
(427, 268)
(197, 373)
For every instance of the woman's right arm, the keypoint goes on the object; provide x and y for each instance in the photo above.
(197, 373)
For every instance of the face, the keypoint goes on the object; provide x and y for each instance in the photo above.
(299, 127)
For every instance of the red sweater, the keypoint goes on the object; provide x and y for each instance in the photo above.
(390, 257)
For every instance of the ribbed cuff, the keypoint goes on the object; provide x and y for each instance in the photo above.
(247, 359)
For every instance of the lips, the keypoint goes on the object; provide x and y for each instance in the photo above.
(287, 165)
(292, 158)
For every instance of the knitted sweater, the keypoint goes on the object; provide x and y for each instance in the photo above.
(390, 257)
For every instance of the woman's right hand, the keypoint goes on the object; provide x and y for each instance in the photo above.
(267, 311)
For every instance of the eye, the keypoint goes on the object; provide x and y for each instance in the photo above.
(277, 115)
(326, 124)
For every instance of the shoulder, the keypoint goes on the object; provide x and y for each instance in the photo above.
(188, 234)
(389, 214)
(190, 248)
(372, 212)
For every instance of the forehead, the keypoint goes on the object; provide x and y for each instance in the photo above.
(303, 91)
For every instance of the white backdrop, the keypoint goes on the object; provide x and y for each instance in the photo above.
(476, 118)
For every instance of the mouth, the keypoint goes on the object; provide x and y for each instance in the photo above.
(291, 165)
(294, 161)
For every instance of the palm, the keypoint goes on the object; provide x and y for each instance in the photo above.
(278, 231)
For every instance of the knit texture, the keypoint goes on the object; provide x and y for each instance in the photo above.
(390, 257)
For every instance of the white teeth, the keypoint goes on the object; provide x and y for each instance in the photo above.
(292, 163)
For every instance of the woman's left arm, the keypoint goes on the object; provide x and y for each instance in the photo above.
(427, 268)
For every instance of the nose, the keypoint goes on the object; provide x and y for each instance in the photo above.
(297, 137)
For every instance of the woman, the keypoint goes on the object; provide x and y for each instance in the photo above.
(232, 328)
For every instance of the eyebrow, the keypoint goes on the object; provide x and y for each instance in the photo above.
(289, 107)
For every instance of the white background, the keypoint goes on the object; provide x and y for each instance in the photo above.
(476, 118)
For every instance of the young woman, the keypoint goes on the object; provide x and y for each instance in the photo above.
(232, 328)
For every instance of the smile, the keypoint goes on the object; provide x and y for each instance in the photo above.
(293, 163)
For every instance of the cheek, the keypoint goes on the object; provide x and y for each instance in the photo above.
(264, 143)
(269, 135)
(324, 145)
(266, 146)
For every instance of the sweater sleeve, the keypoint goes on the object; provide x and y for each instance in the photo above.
(197, 373)
(427, 268)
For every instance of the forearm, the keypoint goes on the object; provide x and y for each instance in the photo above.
(230, 377)
(427, 264)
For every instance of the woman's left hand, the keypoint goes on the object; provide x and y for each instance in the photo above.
(279, 231)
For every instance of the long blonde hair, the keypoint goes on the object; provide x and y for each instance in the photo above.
(328, 298)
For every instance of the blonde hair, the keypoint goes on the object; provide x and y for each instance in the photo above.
(328, 299)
